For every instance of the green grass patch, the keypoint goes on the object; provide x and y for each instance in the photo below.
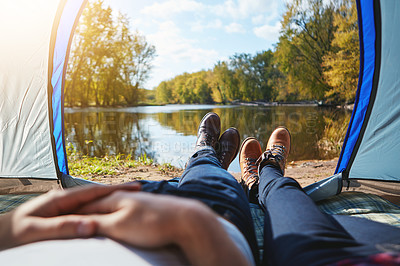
(83, 165)
(166, 167)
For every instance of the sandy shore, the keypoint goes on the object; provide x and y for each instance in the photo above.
(305, 172)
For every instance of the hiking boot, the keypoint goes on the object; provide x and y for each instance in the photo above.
(277, 151)
(208, 132)
(250, 151)
(228, 146)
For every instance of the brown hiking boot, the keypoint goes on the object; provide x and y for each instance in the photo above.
(209, 130)
(250, 151)
(228, 146)
(277, 151)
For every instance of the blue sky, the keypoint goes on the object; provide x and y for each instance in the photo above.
(191, 35)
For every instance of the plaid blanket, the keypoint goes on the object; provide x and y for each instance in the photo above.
(258, 219)
(348, 203)
(358, 204)
(10, 202)
(363, 205)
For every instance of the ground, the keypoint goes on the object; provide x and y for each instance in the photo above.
(305, 172)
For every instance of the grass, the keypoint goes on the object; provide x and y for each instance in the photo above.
(86, 166)
(334, 134)
(83, 165)
(166, 168)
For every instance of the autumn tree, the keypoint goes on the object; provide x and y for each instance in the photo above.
(306, 37)
(108, 63)
(342, 62)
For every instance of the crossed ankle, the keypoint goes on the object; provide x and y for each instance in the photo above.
(270, 158)
(203, 148)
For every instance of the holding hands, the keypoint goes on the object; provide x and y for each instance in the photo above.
(124, 214)
(54, 216)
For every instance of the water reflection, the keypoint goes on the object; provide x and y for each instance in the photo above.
(168, 133)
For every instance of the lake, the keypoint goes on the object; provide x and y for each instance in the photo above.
(168, 133)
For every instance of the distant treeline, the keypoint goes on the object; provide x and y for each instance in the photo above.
(316, 58)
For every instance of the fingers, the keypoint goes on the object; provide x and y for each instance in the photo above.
(108, 204)
(67, 201)
(77, 198)
(63, 227)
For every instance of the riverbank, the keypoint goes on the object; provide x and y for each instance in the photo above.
(114, 170)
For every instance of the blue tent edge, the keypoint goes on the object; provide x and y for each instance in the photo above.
(65, 31)
(366, 22)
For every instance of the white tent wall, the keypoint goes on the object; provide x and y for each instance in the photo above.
(378, 156)
(25, 136)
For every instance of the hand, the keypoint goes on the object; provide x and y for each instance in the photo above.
(50, 216)
(148, 220)
(140, 219)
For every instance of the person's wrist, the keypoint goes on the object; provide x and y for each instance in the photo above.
(188, 221)
(8, 239)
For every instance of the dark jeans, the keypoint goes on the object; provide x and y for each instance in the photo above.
(206, 181)
(298, 233)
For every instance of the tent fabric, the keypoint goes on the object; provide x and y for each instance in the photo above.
(366, 24)
(65, 30)
(25, 142)
(33, 56)
(371, 149)
(387, 190)
(378, 155)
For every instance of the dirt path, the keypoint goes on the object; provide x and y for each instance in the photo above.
(305, 172)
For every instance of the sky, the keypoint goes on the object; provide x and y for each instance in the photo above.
(193, 35)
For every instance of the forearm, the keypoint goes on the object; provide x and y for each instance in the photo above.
(204, 240)
(6, 235)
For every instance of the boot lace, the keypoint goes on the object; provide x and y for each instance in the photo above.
(207, 140)
(250, 176)
(274, 155)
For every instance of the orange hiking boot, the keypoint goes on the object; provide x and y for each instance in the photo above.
(250, 151)
(228, 146)
(277, 151)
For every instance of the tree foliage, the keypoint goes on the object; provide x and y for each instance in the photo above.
(108, 63)
(306, 37)
(316, 58)
(342, 62)
(244, 77)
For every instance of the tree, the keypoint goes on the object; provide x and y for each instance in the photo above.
(244, 73)
(306, 37)
(164, 93)
(137, 66)
(108, 63)
(265, 74)
(224, 82)
(90, 46)
(342, 63)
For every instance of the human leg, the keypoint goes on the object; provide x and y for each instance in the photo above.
(296, 232)
(250, 151)
(204, 179)
(368, 232)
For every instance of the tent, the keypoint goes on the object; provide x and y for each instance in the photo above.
(370, 157)
(33, 57)
(36, 39)
(34, 53)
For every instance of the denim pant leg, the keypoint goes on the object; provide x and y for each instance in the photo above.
(296, 232)
(205, 180)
